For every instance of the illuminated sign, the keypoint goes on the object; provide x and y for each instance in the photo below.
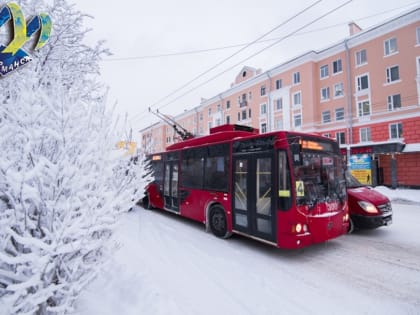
(156, 157)
(311, 145)
(12, 56)
(316, 146)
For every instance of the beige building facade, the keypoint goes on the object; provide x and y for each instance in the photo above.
(363, 91)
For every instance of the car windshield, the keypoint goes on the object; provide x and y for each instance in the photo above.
(352, 181)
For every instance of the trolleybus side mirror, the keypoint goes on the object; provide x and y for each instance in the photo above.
(296, 150)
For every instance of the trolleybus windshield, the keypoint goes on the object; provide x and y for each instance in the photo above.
(319, 174)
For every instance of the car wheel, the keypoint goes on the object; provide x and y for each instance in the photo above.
(351, 226)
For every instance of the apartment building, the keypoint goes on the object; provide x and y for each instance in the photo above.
(363, 91)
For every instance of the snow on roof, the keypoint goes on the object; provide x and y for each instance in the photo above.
(411, 147)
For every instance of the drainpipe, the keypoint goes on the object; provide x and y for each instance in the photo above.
(197, 118)
(394, 175)
(222, 114)
(269, 109)
(349, 102)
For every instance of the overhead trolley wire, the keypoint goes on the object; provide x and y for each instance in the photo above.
(205, 50)
(230, 57)
(257, 53)
(242, 61)
(237, 52)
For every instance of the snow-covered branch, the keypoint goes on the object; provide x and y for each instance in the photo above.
(61, 190)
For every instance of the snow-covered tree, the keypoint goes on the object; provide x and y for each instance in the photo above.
(61, 189)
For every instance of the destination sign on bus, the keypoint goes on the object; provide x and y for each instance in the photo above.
(156, 157)
(315, 145)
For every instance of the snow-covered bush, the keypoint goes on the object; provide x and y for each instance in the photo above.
(61, 189)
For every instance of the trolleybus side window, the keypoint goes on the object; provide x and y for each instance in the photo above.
(217, 167)
(192, 167)
(284, 190)
(206, 168)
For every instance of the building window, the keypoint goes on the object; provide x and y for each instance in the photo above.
(341, 137)
(363, 108)
(227, 104)
(263, 128)
(218, 122)
(278, 84)
(201, 116)
(392, 74)
(279, 124)
(209, 111)
(243, 114)
(242, 100)
(390, 46)
(418, 35)
(297, 119)
(297, 99)
(326, 116)
(262, 90)
(239, 116)
(279, 103)
(337, 66)
(210, 125)
(339, 113)
(395, 131)
(219, 107)
(394, 102)
(296, 78)
(361, 57)
(325, 93)
(323, 71)
(228, 119)
(365, 134)
(249, 113)
(263, 109)
(338, 89)
(362, 82)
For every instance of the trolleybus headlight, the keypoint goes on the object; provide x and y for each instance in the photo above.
(368, 207)
(298, 228)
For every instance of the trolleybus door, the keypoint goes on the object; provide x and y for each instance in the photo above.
(253, 195)
(170, 186)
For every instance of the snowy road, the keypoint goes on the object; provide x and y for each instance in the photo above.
(169, 265)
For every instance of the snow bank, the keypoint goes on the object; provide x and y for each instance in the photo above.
(411, 195)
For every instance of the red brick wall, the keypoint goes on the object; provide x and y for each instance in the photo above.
(408, 169)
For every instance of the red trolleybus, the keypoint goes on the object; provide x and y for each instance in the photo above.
(284, 188)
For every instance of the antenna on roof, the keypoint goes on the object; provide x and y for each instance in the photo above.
(181, 131)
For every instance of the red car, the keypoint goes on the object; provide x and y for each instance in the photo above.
(368, 208)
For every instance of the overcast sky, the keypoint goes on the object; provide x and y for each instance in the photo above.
(139, 32)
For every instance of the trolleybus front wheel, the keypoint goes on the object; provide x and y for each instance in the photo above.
(218, 224)
(146, 202)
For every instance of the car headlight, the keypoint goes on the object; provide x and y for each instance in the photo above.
(368, 207)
